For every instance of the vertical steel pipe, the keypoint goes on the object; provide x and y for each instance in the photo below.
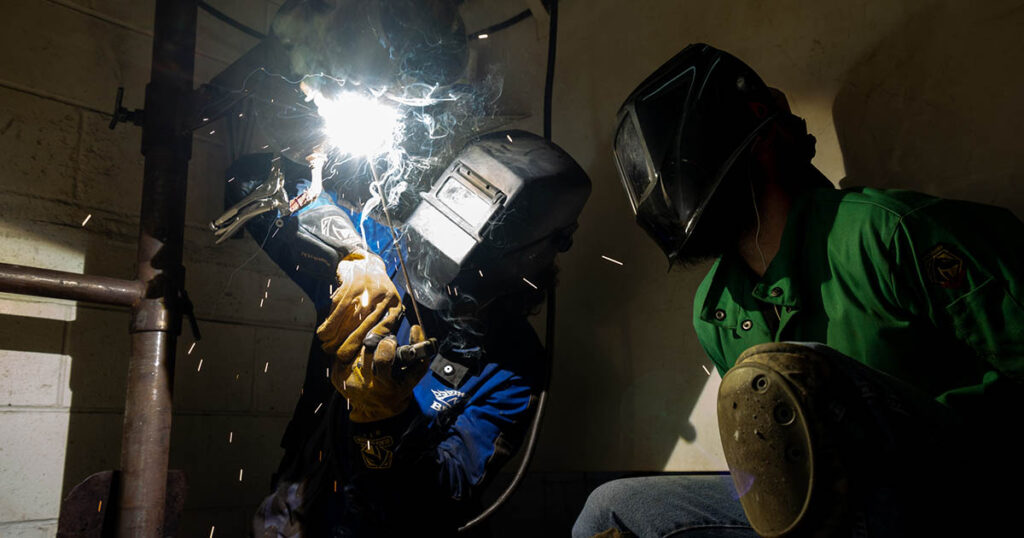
(156, 318)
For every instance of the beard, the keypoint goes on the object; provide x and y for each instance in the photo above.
(729, 216)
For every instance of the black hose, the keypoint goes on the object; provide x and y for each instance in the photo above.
(549, 82)
(549, 327)
(534, 431)
(495, 28)
(229, 21)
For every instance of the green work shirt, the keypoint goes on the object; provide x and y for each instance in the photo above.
(924, 289)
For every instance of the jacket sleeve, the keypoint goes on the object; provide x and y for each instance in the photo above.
(959, 266)
(441, 465)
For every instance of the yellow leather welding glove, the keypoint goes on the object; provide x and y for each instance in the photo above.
(377, 385)
(366, 302)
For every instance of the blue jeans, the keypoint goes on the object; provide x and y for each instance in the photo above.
(661, 506)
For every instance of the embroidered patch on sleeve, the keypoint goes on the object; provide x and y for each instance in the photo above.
(945, 267)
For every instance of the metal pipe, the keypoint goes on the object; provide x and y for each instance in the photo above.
(64, 285)
(156, 318)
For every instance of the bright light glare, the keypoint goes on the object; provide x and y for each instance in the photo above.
(357, 124)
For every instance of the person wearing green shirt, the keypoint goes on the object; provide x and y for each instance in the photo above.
(871, 342)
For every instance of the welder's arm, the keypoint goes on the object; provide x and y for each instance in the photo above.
(952, 269)
(310, 243)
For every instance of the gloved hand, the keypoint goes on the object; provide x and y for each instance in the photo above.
(379, 385)
(366, 302)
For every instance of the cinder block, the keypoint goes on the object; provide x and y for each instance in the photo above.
(200, 446)
(93, 445)
(34, 335)
(99, 346)
(31, 464)
(39, 140)
(31, 529)
(78, 57)
(31, 379)
(224, 383)
(110, 166)
(282, 353)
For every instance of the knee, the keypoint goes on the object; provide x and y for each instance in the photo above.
(600, 511)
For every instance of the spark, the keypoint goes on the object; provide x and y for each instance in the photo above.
(331, 288)
(706, 371)
(275, 232)
(315, 411)
(231, 437)
(481, 272)
(483, 36)
(285, 149)
(230, 180)
(456, 290)
(236, 376)
(265, 366)
(616, 262)
(87, 217)
(239, 114)
(320, 457)
(268, 281)
(296, 267)
(100, 507)
(302, 300)
(265, 146)
(261, 301)
(328, 373)
(348, 404)
(190, 348)
(240, 471)
(266, 295)
(532, 285)
(509, 137)
(206, 119)
(364, 299)
(356, 123)
(213, 131)
(335, 486)
(200, 367)
(211, 530)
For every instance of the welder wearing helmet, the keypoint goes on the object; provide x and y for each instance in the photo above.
(405, 445)
(890, 423)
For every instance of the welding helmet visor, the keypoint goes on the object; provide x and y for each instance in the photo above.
(680, 133)
(495, 220)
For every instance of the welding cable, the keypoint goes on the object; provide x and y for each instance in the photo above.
(223, 17)
(495, 28)
(549, 325)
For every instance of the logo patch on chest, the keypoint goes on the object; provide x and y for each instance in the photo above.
(945, 267)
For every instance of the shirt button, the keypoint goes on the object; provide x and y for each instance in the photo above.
(746, 325)
(719, 314)
(776, 292)
(448, 369)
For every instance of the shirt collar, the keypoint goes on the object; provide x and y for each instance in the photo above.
(733, 284)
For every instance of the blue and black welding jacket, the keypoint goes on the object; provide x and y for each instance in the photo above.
(471, 412)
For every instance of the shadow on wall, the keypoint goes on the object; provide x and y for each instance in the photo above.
(936, 106)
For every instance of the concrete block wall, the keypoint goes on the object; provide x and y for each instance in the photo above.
(63, 365)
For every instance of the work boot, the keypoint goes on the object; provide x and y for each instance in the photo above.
(821, 445)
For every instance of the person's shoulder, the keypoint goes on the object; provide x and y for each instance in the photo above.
(882, 202)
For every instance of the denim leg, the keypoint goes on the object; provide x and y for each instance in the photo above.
(662, 506)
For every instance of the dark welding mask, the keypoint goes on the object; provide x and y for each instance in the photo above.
(494, 221)
(680, 133)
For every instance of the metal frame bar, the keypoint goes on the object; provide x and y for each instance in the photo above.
(155, 295)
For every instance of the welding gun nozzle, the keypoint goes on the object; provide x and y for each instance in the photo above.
(414, 352)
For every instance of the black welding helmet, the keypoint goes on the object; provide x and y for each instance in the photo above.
(495, 219)
(680, 133)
